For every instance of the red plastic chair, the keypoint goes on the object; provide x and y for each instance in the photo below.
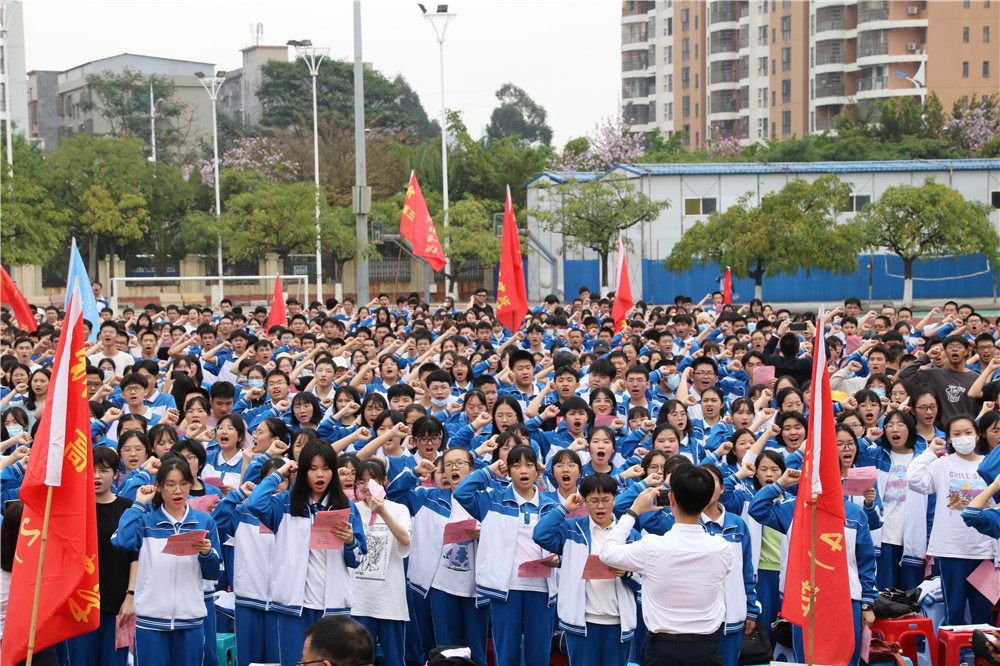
(950, 644)
(905, 631)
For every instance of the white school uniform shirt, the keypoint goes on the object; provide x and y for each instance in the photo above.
(379, 581)
(602, 595)
(683, 573)
(526, 550)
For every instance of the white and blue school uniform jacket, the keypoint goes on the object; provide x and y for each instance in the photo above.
(291, 550)
(739, 588)
(498, 511)
(253, 558)
(570, 539)
(915, 505)
(146, 530)
(772, 508)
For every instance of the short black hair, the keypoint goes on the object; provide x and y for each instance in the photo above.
(341, 640)
(598, 483)
(692, 488)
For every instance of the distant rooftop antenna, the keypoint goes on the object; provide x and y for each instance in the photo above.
(257, 31)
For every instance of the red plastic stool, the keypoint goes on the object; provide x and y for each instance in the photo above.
(950, 644)
(905, 631)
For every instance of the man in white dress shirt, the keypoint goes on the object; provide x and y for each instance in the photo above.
(682, 573)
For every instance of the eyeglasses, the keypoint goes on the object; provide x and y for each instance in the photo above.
(184, 485)
(429, 440)
(600, 501)
(704, 374)
(927, 408)
(846, 445)
(955, 347)
(132, 389)
(456, 464)
(653, 469)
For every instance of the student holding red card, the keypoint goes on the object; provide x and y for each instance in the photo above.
(308, 583)
(598, 615)
(169, 626)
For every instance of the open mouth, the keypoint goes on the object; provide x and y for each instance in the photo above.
(566, 479)
(455, 478)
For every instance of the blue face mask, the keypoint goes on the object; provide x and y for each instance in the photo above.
(15, 430)
(255, 383)
(879, 392)
(673, 381)
(108, 374)
(751, 325)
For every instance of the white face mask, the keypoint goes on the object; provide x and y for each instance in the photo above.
(964, 445)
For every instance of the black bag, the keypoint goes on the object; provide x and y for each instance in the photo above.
(437, 657)
(893, 603)
(781, 632)
(756, 647)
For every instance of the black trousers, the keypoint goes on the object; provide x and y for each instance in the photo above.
(671, 653)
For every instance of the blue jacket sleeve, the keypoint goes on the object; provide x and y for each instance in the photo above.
(265, 506)
(625, 498)
(226, 513)
(128, 536)
(473, 494)
(864, 553)
(550, 531)
(734, 495)
(355, 553)
(210, 562)
(134, 480)
(984, 521)
(769, 508)
(749, 579)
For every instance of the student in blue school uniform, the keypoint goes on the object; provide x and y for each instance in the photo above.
(521, 607)
(306, 583)
(226, 460)
(169, 626)
(598, 615)
(253, 563)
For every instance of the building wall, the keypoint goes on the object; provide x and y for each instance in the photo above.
(43, 121)
(254, 58)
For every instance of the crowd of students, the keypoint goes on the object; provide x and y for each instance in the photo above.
(486, 483)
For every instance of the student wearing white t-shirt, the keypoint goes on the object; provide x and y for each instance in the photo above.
(380, 581)
(958, 548)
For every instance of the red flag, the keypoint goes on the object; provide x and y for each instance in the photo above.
(820, 491)
(277, 316)
(512, 295)
(623, 289)
(417, 227)
(727, 287)
(10, 294)
(60, 477)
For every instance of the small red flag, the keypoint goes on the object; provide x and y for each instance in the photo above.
(61, 464)
(277, 316)
(623, 289)
(417, 227)
(727, 287)
(833, 642)
(10, 294)
(512, 295)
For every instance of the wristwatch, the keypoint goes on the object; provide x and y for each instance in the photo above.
(132, 592)
(866, 607)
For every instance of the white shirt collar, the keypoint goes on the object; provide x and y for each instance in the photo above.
(534, 500)
(721, 521)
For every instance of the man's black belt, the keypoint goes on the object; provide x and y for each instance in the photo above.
(684, 638)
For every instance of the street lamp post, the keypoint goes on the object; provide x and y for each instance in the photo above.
(440, 20)
(361, 194)
(917, 84)
(313, 56)
(212, 86)
(5, 10)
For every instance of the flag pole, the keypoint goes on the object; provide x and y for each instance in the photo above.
(812, 577)
(38, 579)
(399, 259)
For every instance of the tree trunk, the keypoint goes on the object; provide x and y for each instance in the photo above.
(758, 282)
(908, 282)
(92, 257)
(605, 285)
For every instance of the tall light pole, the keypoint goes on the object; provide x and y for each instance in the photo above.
(916, 84)
(212, 86)
(5, 10)
(440, 20)
(361, 193)
(313, 56)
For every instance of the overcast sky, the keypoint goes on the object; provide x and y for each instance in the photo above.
(564, 53)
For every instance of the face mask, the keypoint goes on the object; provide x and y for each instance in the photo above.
(751, 325)
(879, 392)
(255, 383)
(702, 327)
(15, 430)
(439, 403)
(673, 381)
(965, 444)
(108, 374)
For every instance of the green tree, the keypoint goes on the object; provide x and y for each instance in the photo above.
(102, 184)
(590, 215)
(918, 222)
(470, 233)
(33, 224)
(518, 116)
(790, 230)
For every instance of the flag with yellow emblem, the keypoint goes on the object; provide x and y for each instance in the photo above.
(416, 226)
(512, 295)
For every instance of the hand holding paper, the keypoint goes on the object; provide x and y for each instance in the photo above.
(859, 479)
(322, 536)
(185, 543)
(594, 569)
(458, 531)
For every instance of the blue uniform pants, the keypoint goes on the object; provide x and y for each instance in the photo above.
(390, 634)
(211, 647)
(179, 647)
(457, 621)
(292, 634)
(527, 615)
(768, 596)
(891, 573)
(855, 658)
(729, 648)
(957, 591)
(602, 646)
(639, 636)
(98, 646)
(420, 630)
(256, 636)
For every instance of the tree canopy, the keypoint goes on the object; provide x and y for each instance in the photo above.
(518, 116)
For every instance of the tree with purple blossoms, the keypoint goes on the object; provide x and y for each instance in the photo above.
(610, 143)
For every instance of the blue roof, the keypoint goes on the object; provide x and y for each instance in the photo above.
(565, 176)
(724, 168)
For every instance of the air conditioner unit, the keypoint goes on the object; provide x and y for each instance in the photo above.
(911, 47)
(912, 11)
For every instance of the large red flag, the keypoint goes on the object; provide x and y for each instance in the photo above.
(10, 294)
(623, 289)
(727, 287)
(512, 295)
(417, 227)
(818, 533)
(60, 478)
(277, 315)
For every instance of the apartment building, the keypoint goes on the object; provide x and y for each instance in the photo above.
(761, 68)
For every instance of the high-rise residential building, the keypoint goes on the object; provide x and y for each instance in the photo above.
(13, 78)
(761, 68)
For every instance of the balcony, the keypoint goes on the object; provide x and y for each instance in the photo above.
(722, 12)
(834, 90)
(873, 83)
(723, 76)
(723, 46)
(873, 11)
(829, 57)
(824, 124)
(827, 25)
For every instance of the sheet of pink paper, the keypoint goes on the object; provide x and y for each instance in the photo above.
(184, 543)
(535, 569)
(851, 344)
(594, 569)
(124, 633)
(986, 579)
(859, 480)
(866, 643)
(322, 537)
(578, 513)
(762, 374)
(458, 531)
(602, 420)
(376, 489)
(213, 481)
(205, 504)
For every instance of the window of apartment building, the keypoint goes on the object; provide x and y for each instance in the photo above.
(762, 66)
(670, 110)
(786, 3)
(774, 129)
(696, 110)
(670, 82)
(668, 54)
(774, 35)
(986, 34)
(696, 51)
(670, 26)
(687, 135)
(685, 19)
(995, 198)
(986, 69)
(695, 80)
(786, 122)
(786, 59)
(856, 202)
(786, 27)
(965, 69)
(685, 77)
(774, 5)
(965, 35)
(700, 206)
(774, 98)
(685, 49)
(762, 99)
(762, 35)
(965, 4)
(786, 91)
(686, 107)
(762, 128)
(695, 21)
(986, 4)
(765, 6)
(774, 66)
